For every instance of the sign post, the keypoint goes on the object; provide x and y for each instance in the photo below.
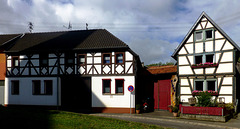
(130, 89)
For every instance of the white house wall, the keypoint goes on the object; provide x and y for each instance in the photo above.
(112, 100)
(26, 96)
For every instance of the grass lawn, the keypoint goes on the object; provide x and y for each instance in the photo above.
(49, 119)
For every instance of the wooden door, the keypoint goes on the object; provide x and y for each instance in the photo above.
(162, 98)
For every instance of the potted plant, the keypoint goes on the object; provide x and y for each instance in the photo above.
(175, 111)
(138, 106)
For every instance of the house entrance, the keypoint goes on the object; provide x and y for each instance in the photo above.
(162, 98)
(76, 93)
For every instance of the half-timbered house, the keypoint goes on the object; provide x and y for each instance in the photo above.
(206, 60)
(80, 70)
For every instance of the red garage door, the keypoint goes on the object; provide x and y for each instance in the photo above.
(162, 96)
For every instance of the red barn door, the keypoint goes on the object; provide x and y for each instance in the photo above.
(162, 91)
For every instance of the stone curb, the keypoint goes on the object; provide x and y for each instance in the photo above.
(161, 119)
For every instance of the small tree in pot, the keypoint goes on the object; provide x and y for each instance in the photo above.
(175, 111)
(138, 107)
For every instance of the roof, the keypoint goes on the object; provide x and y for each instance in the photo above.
(162, 69)
(193, 28)
(66, 40)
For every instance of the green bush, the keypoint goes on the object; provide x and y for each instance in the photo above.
(204, 99)
(138, 107)
(175, 109)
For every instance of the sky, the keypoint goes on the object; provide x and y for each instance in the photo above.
(152, 28)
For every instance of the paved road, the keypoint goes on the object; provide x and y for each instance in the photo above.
(172, 122)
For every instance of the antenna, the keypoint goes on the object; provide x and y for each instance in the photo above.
(69, 26)
(30, 27)
(86, 26)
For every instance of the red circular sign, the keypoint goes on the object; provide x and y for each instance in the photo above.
(130, 88)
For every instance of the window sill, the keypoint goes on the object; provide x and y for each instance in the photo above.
(204, 66)
(113, 94)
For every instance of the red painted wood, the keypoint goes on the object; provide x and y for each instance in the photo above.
(213, 111)
(156, 98)
(164, 94)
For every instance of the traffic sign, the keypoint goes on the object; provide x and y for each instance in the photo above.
(130, 88)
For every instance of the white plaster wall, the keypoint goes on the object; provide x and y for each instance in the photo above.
(203, 24)
(184, 82)
(184, 98)
(190, 39)
(128, 56)
(219, 44)
(227, 81)
(209, 46)
(23, 63)
(98, 54)
(209, 25)
(226, 90)
(89, 60)
(182, 60)
(198, 27)
(182, 51)
(185, 90)
(52, 62)
(228, 99)
(217, 55)
(98, 67)
(227, 56)
(225, 68)
(25, 96)
(183, 70)
(35, 56)
(127, 65)
(9, 63)
(191, 59)
(203, 19)
(113, 100)
(88, 68)
(198, 71)
(209, 70)
(52, 56)
(97, 59)
(198, 47)
(228, 46)
(189, 48)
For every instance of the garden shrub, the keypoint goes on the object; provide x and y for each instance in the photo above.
(204, 99)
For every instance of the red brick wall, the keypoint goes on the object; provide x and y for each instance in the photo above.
(2, 66)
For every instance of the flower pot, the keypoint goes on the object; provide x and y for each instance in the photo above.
(175, 114)
(138, 111)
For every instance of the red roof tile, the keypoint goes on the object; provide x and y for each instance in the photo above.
(162, 69)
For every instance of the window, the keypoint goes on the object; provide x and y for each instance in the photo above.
(119, 85)
(81, 59)
(15, 61)
(211, 85)
(119, 58)
(106, 58)
(48, 87)
(2, 82)
(209, 34)
(199, 36)
(106, 86)
(209, 58)
(43, 59)
(199, 85)
(36, 84)
(15, 87)
(205, 85)
(69, 59)
(198, 59)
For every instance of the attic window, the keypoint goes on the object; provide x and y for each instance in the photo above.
(69, 59)
(119, 58)
(209, 34)
(199, 35)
